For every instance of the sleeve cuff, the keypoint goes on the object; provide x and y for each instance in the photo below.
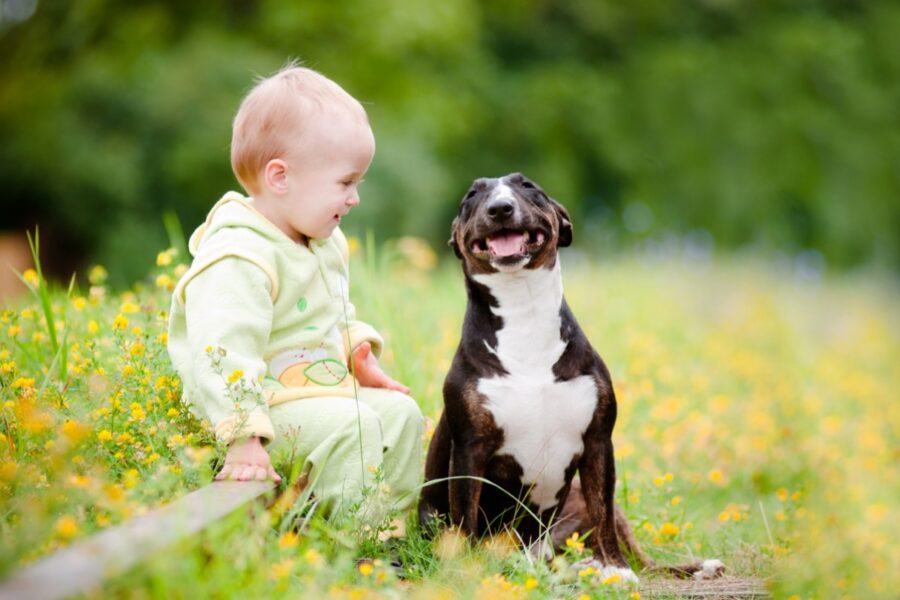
(358, 333)
(253, 425)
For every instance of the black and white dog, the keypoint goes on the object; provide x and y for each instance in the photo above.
(528, 401)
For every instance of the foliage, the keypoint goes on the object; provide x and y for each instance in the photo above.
(757, 424)
(762, 124)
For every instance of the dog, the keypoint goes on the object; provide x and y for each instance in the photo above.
(528, 402)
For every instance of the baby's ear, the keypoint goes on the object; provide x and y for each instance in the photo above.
(452, 241)
(275, 175)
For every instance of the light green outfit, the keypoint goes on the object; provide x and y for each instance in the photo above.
(261, 330)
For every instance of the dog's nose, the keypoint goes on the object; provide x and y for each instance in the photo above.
(500, 209)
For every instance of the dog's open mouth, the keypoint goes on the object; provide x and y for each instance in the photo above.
(509, 243)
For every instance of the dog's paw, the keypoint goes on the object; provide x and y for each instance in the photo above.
(607, 573)
(710, 569)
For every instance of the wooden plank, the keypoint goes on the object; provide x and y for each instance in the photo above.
(720, 588)
(86, 564)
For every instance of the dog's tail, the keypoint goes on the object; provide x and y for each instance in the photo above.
(574, 518)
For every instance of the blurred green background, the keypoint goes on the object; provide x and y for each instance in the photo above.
(765, 126)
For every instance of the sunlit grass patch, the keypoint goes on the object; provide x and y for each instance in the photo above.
(757, 424)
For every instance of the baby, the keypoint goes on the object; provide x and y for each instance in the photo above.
(262, 330)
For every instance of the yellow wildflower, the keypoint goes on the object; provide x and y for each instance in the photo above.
(67, 527)
(235, 375)
(13, 330)
(137, 412)
(130, 307)
(31, 276)
(531, 583)
(288, 540)
(164, 281)
(716, 476)
(93, 326)
(172, 412)
(80, 481)
(8, 367)
(366, 568)
(282, 568)
(313, 557)
(79, 303)
(782, 494)
(612, 579)
(676, 500)
(574, 543)
(97, 275)
(23, 382)
(164, 259)
(104, 435)
(136, 349)
(131, 478)
(120, 322)
(669, 529)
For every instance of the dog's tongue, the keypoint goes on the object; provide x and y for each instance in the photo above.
(507, 244)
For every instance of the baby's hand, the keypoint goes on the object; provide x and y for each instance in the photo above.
(247, 460)
(368, 372)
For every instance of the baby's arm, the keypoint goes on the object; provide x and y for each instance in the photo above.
(228, 307)
(247, 459)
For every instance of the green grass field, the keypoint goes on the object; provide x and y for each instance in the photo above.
(758, 423)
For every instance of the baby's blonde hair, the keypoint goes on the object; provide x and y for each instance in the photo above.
(272, 116)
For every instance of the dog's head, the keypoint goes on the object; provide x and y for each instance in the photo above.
(508, 224)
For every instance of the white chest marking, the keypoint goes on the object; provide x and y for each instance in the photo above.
(543, 420)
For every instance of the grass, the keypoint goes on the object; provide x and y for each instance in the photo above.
(758, 423)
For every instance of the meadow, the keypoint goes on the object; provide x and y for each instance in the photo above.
(758, 423)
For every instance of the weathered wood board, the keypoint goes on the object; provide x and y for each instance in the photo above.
(85, 565)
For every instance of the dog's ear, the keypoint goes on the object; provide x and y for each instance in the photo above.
(565, 224)
(452, 241)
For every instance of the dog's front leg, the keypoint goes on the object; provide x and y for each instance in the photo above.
(598, 481)
(467, 469)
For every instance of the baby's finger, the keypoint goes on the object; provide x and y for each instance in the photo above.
(246, 473)
(259, 473)
(273, 475)
(393, 384)
(225, 473)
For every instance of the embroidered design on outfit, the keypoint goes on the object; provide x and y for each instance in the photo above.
(327, 372)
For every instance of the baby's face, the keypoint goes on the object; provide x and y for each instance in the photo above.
(324, 170)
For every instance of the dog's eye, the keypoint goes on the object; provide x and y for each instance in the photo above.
(528, 185)
(470, 194)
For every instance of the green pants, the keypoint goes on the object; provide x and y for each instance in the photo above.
(341, 443)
